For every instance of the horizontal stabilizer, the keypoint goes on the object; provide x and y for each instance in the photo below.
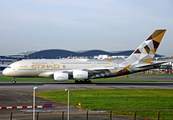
(148, 65)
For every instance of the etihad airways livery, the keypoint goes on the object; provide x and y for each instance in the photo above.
(86, 69)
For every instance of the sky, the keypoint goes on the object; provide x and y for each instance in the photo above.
(110, 25)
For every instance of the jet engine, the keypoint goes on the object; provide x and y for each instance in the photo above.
(80, 74)
(58, 76)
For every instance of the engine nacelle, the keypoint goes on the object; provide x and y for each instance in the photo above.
(77, 74)
(58, 76)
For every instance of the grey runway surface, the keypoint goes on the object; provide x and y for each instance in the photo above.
(94, 85)
(20, 94)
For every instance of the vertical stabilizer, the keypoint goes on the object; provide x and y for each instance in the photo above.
(146, 51)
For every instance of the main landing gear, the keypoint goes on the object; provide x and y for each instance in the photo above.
(86, 81)
(14, 81)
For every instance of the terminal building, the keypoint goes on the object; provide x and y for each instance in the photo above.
(65, 54)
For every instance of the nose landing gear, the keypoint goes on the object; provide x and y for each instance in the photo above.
(14, 81)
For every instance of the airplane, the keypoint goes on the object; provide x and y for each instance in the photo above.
(86, 69)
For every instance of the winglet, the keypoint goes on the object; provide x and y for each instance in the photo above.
(146, 51)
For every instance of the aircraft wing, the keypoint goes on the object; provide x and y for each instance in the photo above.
(100, 68)
(46, 74)
(96, 70)
(153, 64)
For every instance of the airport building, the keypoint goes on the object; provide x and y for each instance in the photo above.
(62, 54)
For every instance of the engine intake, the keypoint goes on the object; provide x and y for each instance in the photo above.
(58, 76)
(80, 74)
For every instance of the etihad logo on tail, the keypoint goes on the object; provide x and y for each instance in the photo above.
(146, 51)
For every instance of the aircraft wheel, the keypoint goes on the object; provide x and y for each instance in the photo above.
(14, 82)
(76, 81)
(89, 81)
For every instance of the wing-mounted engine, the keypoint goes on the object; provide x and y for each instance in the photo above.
(77, 74)
(60, 76)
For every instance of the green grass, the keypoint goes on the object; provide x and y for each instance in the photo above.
(9, 79)
(127, 80)
(136, 74)
(124, 99)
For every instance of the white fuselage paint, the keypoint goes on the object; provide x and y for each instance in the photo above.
(35, 67)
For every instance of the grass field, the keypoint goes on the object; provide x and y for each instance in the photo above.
(136, 74)
(9, 79)
(126, 100)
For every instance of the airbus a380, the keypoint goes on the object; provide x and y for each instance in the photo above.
(86, 69)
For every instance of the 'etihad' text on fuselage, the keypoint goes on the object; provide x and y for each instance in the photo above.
(35, 66)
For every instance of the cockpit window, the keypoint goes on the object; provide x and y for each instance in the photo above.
(9, 67)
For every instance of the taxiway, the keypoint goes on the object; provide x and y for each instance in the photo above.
(20, 94)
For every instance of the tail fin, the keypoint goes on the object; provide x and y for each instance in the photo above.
(146, 51)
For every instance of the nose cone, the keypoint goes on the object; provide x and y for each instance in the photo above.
(5, 72)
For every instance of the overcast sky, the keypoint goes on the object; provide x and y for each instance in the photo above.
(110, 25)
